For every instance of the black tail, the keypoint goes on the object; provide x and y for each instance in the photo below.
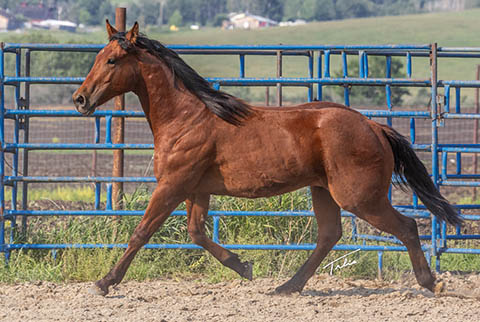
(413, 173)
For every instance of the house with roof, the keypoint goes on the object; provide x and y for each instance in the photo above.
(249, 21)
(36, 11)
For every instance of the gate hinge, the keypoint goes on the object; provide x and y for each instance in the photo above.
(22, 105)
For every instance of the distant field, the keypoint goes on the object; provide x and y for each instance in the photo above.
(447, 29)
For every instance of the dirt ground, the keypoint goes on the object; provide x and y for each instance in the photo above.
(325, 298)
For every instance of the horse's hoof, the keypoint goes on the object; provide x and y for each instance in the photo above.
(248, 270)
(439, 288)
(286, 289)
(96, 290)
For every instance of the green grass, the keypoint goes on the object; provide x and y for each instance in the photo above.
(88, 265)
(83, 193)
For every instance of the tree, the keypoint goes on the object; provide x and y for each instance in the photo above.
(325, 10)
(149, 11)
(375, 95)
(291, 9)
(175, 19)
(134, 13)
(354, 9)
(309, 10)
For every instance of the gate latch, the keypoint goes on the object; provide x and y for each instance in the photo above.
(441, 100)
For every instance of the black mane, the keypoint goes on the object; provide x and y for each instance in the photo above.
(225, 106)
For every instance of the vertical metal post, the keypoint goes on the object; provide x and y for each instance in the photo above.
(242, 65)
(279, 74)
(346, 91)
(444, 165)
(388, 89)
(344, 64)
(412, 140)
(361, 72)
(108, 129)
(26, 139)
(326, 72)
(98, 194)
(354, 229)
(96, 139)
(16, 140)
(216, 225)
(98, 185)
(475, 129)
(310, 74)
(458, 155)
(412, 130)
(109, 203)
(119, 125)
(2, 156)
(457, 99)
(380, 265)
(435, 174)
(409, 65)
(319, 75)
(365, 65)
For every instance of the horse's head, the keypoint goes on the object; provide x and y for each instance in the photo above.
(113, 73)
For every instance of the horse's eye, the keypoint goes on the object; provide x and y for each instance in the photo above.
(111, 61)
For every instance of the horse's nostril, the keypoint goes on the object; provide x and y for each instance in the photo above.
(80, 99)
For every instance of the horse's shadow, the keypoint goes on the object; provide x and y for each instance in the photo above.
(365, 292)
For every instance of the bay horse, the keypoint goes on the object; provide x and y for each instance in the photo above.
(207, 142)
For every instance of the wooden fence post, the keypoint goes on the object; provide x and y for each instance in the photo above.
(118, 125)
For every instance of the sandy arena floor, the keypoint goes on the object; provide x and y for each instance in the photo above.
(325, 298)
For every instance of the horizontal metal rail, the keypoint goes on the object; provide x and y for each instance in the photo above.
(219, 48)
(344, 247)
(414, 213)
(77, 146)
(102, 113)
(72, 113)
(248, 81)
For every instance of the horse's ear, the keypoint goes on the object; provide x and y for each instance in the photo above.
(110, 30)
(133, 33)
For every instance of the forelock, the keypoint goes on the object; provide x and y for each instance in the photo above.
(122, 41)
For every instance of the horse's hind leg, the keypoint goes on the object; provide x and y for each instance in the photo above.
(197, 211)
(384, 217)
(327, 214)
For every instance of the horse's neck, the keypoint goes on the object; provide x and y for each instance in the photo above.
(163, 102)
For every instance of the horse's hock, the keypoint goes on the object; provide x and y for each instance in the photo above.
(439, 131)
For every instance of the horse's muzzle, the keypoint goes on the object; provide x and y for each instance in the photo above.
(82, 104)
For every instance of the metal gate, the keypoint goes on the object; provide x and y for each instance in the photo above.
(442, 107)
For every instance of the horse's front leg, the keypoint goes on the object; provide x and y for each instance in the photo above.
(197, 211)
(162, 203)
